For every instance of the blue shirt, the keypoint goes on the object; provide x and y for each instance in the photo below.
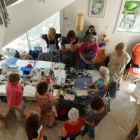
(64, 41)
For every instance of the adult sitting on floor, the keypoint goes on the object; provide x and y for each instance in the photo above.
(72, 127)
(100, 85)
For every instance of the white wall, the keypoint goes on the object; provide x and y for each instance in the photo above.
(2, 31)
(28, 14)
(112, 11)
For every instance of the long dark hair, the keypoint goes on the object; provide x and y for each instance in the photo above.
(32, 124)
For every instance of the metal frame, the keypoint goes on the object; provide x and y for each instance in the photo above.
(4, 12)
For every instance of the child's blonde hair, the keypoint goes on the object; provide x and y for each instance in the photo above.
(13, 77)
(51, 31)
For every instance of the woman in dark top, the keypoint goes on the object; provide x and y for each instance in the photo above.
(95, 115)
(52, 43)
(32, 126)
(68, 48)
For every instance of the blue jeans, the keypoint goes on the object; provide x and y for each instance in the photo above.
(90, 130)
(83, 65)
(72, 137)
(44, 137)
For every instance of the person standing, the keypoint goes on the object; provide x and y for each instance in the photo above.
(68, 48)
(72, 126)
(52, 43)
(98, 111)
(46, 104)
(88, 52)
(14, 93)
(118, 59)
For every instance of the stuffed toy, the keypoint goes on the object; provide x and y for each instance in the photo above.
(91, 30)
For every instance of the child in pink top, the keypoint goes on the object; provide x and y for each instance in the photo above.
(14, 93)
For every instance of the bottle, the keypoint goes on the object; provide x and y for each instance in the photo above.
(53, 78)
(24, 77)
(3, 68)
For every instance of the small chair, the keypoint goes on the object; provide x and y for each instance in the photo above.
(127, 20)
(136, 61)
(45, 57)
(5, 113)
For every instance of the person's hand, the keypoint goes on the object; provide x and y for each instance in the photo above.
(89, 90)
(22, 88)
(92, 60)
(90, 85)
(87, 62)
(73, 40)
(42, 133)
(22, 113)
(84, 120)
(62, 34)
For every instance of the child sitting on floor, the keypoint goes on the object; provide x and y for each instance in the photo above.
(14, 93)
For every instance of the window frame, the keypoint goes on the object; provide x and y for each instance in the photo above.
(122, 3)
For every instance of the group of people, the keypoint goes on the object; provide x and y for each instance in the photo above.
(48, 106)
(88, 50)
(46, 102)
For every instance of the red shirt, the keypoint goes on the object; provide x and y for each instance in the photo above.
(14, 94)
(73, 129)
(84, 46)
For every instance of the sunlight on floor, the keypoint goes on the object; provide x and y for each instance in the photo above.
(132, 86)
(132, 99)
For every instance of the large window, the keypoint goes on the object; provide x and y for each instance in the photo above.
(129, 17)
(32, 38)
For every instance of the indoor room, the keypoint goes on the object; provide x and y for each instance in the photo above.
(70, 69)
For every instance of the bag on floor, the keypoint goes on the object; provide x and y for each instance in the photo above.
(62, 111)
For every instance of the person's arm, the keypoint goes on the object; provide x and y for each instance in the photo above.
(89, 123)
(42, 37)
(87, 62)
(60, 37)
(98, 91)
(41, 136)
(94, 57)
(73, 44)
(90, 85)
(73, 47)
(63, 132)
(19, 110)
(64, 49)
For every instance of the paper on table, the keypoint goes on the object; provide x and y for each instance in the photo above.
(23, 63)
(60, 73)
(44, 64)
(3, 89)
(41, 127)
(30, 90)
(54, 92)
(67, 46)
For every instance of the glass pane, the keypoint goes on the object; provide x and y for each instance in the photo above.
(20, 44)
(130, 18)
(42, 28)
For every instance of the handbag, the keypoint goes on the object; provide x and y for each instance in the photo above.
(62, 111)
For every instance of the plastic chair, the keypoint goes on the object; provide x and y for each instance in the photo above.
(130, 21)
(136, 61)
(45, 57)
